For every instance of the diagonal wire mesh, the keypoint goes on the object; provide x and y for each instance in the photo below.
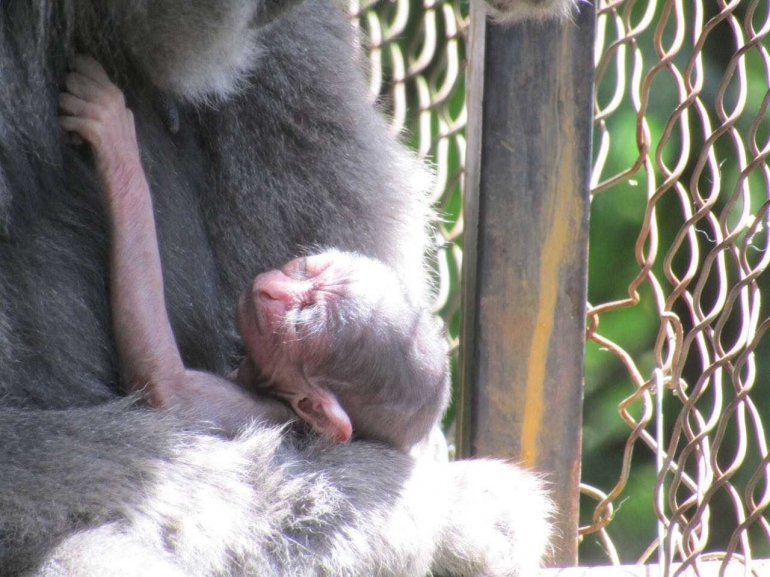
(682, 91)
(677, 362)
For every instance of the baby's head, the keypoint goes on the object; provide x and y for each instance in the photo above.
(337, 336)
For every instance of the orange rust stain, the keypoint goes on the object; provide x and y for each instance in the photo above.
(560, 236)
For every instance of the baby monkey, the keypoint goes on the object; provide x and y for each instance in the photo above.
(334, 335)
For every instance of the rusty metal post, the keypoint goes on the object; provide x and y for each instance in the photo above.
(525, 256)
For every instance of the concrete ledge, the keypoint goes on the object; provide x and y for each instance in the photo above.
(759, 568)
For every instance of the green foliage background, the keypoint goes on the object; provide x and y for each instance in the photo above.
(616, 219)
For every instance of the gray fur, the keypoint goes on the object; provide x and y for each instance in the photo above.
(261, 504)
(286, 155)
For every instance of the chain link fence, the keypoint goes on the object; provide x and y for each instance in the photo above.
(680, 163)
(676, 464)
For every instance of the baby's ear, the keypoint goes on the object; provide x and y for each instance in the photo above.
(321, 409)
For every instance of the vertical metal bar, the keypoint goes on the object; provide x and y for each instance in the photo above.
(525, 255)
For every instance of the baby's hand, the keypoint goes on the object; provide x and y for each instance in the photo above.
(94, 108)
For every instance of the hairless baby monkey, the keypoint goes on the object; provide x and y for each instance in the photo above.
(335, 335)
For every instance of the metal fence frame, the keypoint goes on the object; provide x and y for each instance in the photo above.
(528, 168)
